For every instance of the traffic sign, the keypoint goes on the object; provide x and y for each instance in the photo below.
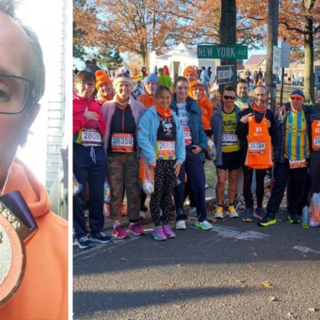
(276, 60)
(285, 54)
(232, 52)
(225, 74)
(317, 76)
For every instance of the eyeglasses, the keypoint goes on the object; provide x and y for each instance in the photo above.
(296, 98)
(88, 84)
(15, 93)
(229, 97)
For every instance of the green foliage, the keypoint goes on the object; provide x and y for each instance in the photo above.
(109, 59)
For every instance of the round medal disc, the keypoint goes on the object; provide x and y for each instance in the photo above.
(12, 260)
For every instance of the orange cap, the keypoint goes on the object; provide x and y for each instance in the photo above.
(190, 69)
(195, 83)
(102, 78)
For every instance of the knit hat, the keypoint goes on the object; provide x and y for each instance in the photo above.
(102, 78)
(122, 77)
(297, 91)
(195, 83)
(190, 69)
(152, 77)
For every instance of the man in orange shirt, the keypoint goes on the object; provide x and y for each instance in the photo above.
(33, 240)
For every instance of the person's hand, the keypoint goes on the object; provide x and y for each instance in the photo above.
(196, 149)
(90, 115)
(177, 168)
(281, 110)
(152, 165)
(244, 119)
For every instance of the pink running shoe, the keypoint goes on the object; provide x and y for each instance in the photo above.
(123, 210)
(158, 234)
(135, 229)
(119, 233)
(168, 232)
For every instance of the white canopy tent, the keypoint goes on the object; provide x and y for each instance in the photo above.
(178, 59)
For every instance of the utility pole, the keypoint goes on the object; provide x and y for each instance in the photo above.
(228, 25)
(272, 40)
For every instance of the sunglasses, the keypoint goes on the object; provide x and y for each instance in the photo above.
(296, 98)
(229, 97)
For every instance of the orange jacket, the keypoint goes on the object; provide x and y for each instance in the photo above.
(147, 100)
(43, 293)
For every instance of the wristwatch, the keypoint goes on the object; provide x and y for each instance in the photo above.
(17, 227)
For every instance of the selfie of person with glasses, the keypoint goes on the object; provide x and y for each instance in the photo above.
(224, 124)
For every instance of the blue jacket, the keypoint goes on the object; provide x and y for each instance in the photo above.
(198, 135)
(147, 136)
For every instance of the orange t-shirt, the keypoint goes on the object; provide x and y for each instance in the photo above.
(43, 293)
(259, 145)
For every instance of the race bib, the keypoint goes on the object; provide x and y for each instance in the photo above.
(187, 136)
(122, 142)
(315, 129)
(296, 164)
(229, 138)
(90, 137)
(257, 147)
(166, 150)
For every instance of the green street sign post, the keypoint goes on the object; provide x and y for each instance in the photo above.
(232, 52)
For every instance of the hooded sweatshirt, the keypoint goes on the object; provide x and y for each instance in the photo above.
(43, 293)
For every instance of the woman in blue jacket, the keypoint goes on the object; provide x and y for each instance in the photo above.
(160, 136)
(195, 139)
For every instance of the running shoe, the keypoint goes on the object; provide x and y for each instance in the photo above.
(135, 229)
(204, 225)
(267, 220)
(293, 218)
(84, 243)
(123, 210)
(158, 234)
(232, 212)
(181, 225)
(168, 232)
(100, 237)
(259, 213)
(247, 216)
(219, 213)
(193, 213)
(118, 232)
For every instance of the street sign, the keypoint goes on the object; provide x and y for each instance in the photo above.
(317, 76)
(232, 52)
(225, 74)
(276, 60)
(285, 54)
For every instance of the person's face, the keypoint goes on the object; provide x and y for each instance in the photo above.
(229, 98)
(296, 101)
(218, 97)
(84, 89)
(242, 90)
(182, 89)
(260, 96)
(197, 92)
(151, 88)
(17, 59)
(190, 77)
(161, 71)
(164, 99)
(106, 89)
(123, 90)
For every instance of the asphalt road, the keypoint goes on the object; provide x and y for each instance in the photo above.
(236, 271)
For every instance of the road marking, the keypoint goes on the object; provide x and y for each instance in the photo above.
(227, 232)
(305, 249)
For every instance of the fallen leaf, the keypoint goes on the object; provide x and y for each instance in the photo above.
(123, 259)
(178, 306)
(170, 284)
(254, 254)
(178, 265)
(275, 266)
(273, 299)
(240, 281)
(311, 309)
(292, 315)
(213, 220)
(266, 284)
(249, 266)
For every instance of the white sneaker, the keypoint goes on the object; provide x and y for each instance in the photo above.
(142, 215)
(204, 225)
(181, 225)
(218, 215)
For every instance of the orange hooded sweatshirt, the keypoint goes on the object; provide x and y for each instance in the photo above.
(43, 293)
(204, 104)
(147, 100)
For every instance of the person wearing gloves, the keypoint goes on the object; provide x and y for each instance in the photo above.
(160, 137)
(122, 116)
(105, 91)
(195, 139)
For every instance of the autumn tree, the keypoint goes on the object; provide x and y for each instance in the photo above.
(108, 59)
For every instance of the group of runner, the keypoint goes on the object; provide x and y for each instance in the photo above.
(171, 134)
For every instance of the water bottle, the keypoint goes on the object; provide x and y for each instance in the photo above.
(305, 217)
